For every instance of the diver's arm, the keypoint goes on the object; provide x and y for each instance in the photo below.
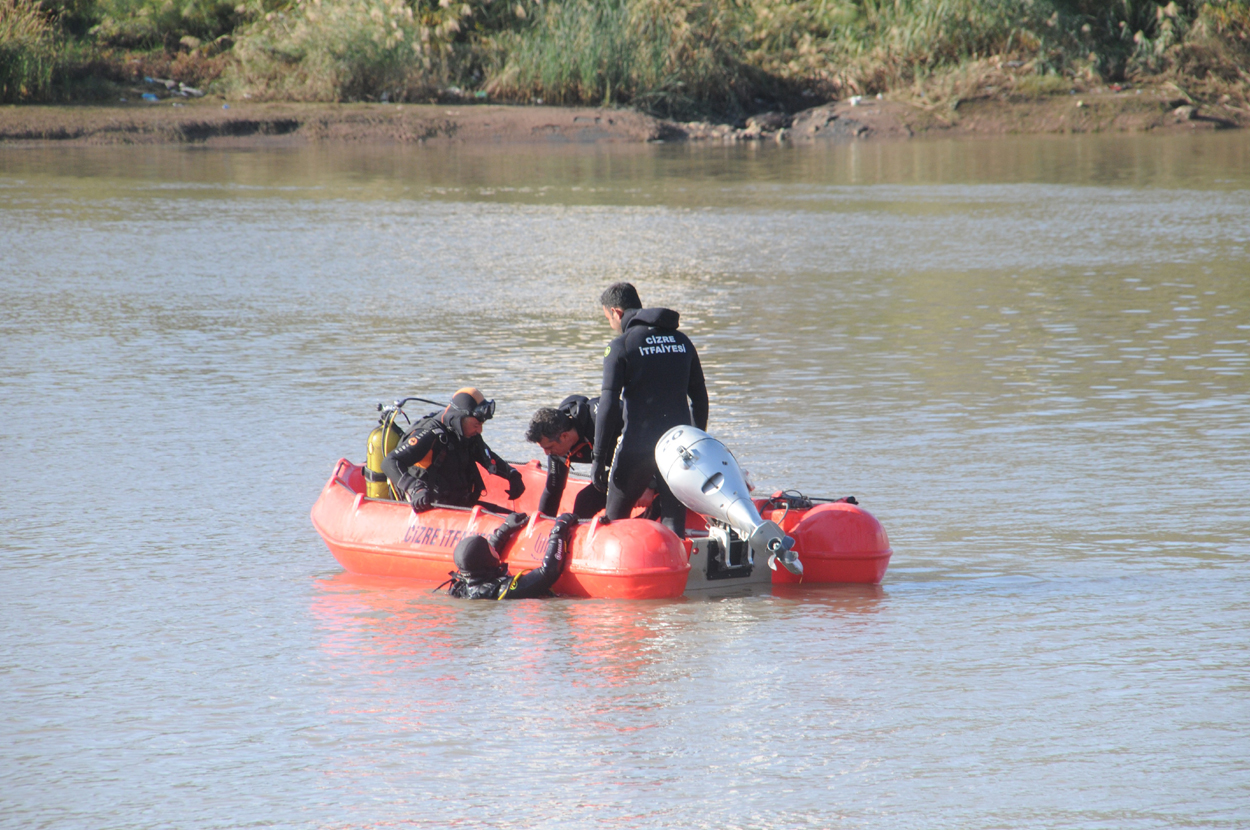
(697, 390)
(410, 451)
(499, 537)
(609, 420)
(538, 582)
(496, 466)
(557, 477)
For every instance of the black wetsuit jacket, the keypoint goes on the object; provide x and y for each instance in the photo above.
(434, 454)
(656, 368)
(525, 585)
(582, 410)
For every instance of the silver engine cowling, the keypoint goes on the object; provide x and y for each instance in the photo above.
(704, 476)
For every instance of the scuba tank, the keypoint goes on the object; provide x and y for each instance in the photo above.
(384, 438)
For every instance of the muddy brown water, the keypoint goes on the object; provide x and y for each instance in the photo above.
(1028, 357)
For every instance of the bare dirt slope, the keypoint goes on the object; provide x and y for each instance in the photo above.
(211, 123)
(277, 124)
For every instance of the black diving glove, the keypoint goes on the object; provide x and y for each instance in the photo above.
(419, 498)
(516, 484)
(500, 535)
(564, 523)
(599, 474)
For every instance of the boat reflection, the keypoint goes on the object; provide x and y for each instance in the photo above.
(393, 622)
(387, 618)
(423, 667)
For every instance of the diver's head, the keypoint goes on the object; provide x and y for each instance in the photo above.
(552, 430)
(616, 299)
(477, 561)
(467, 411)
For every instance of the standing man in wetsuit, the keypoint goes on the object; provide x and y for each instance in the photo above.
(650, 371)
(438, 459)
(567, 435)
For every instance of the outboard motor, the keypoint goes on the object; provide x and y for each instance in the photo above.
(704, 476)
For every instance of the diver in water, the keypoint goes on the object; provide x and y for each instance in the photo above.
(438, 459)
(567, 435)
(480, 574)
(652, 380)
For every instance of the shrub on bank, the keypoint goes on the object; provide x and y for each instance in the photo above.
(686, 57)
(677, 58)
(144, 24)
(28, 52)
(346, 50)
(681, 57)
(669, 57)
(939, 46)
(1213, 59)
(896, 43)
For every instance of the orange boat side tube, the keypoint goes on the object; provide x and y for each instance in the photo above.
(629, 559)
(837, 543)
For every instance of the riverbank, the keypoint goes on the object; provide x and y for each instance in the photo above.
(211, 122)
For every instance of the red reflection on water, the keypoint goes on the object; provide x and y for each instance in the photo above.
(384, 617)
(614, 640)
(844, 599)
(393, 646)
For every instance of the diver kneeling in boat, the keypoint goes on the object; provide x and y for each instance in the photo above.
(437, 460)
(481, 575)
(567, 435)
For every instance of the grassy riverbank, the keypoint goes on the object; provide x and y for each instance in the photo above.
(679, 59)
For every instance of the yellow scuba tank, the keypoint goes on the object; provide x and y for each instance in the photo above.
(384, 438)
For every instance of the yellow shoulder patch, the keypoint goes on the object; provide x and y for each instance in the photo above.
(607, 351)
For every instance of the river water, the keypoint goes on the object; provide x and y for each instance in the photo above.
(1027, 357)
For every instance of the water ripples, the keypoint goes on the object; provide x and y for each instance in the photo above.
(1029, 361)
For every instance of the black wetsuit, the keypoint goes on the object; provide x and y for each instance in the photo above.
(435, 456)
(653, 368)
(589, 501)
(525, 585)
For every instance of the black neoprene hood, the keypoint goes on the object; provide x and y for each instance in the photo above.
(474, 556)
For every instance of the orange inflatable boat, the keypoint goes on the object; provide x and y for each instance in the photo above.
(837, 542)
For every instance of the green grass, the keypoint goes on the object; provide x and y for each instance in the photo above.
(349, 50)
(677, 58)
(670, 58)
(1039, 85)
(152, 23)
(28, 52)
